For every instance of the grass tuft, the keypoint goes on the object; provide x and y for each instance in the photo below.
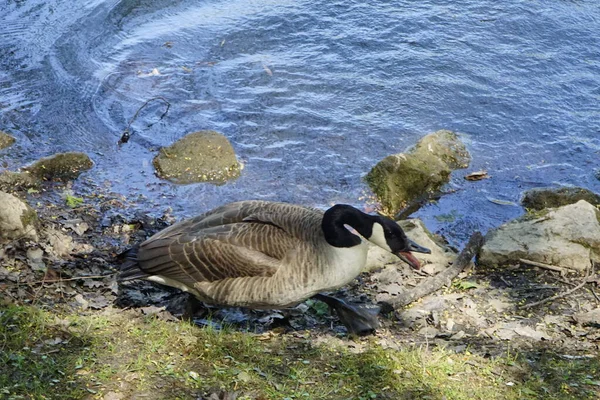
(43, 356)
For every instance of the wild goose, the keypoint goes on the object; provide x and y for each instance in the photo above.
(260, 254)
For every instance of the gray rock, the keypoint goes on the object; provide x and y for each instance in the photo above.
(17, 219)
(61, 167)
(567, 237)
(6, 140)
(205, 156)
(402, 178)
(541, 198)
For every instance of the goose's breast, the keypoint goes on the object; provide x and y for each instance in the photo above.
(344, 264)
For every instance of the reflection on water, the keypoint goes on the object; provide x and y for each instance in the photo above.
(311, 95)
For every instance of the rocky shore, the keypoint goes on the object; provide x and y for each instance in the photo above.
(535, 279)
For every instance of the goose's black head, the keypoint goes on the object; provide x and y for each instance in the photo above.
(388, 235)
(379, 230)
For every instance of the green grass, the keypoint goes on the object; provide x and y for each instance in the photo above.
(43, 355)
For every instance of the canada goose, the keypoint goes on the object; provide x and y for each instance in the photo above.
(260, 254)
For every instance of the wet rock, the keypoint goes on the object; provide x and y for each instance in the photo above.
(17, 219)
(60, 167)
(205, 156)
(6, 140)
(541, 198)
(439, 259)
(405, 177)
(567, 237)
(10, 180)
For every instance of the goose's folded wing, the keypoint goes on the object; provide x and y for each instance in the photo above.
(230, 251)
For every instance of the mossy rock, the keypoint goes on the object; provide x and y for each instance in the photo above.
(446, 146)
(205, 156)
(6, 140)
(60, 167)
(10, 180)
(541, 198)
(402, 178)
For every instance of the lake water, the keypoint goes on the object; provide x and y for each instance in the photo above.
(311, 94)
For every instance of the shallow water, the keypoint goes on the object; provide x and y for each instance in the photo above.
(311, 95)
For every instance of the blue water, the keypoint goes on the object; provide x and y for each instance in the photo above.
(311, 94)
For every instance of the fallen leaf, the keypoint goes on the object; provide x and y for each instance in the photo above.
(477, 176)
(530, 332)
(502, 202)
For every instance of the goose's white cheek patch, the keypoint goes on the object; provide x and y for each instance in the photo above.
(378, 237)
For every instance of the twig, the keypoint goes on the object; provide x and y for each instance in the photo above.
(542, 265)
(57, 280)
(443, 278)
(127, 132)
(595, 295)
(561, 295)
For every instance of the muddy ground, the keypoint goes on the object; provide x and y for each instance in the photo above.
(73, 266)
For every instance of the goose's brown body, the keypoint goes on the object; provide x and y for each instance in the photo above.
(253, 253)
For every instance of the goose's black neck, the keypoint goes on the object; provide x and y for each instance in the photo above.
(339, 215)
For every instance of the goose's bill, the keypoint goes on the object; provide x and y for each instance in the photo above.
(409, 258)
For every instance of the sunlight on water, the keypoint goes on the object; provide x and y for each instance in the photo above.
(310, 95)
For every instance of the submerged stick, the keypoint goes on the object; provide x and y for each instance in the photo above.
(443, 278)
(127, 132)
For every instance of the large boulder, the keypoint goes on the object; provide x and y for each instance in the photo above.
(60, 167)
(541, 198)
(17, 219)
(402, 178)
(5, 140)
(205, 156)
(568, 237)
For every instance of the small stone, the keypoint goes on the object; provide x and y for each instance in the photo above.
(6, 140)
(35, 259)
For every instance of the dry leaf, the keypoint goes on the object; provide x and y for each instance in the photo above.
(477, 176)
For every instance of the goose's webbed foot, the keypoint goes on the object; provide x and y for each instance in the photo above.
(192, 308)
(358, 320)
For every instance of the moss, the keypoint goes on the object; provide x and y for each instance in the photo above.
(61, 167)
(538, 199)
(29, 218)
(398, 180)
